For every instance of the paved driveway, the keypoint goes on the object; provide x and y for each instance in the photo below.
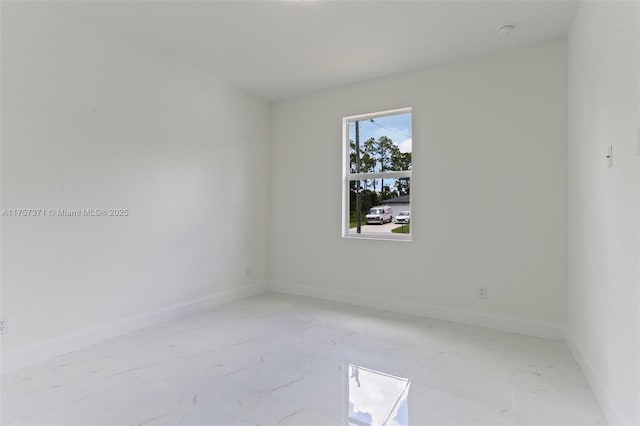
(368, 229)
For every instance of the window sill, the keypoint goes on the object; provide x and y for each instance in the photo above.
(379, 237)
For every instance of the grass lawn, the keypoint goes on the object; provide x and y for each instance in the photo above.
(402, 229)
(353, 220)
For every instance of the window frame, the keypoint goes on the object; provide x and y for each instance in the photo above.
(348, 177)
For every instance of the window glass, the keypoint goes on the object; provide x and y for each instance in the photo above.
(378, 165)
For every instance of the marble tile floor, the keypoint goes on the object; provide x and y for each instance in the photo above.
(277, 359)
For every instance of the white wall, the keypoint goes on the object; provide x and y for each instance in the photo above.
(603, 314)
(92, 121)
(489, 201)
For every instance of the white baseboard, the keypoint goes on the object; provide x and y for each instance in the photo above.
(44, 350)
(612, 414)
(532, 328)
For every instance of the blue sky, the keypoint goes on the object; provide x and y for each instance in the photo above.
(396, 127)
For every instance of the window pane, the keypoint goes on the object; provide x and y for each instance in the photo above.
(384, 206)
(384, 144)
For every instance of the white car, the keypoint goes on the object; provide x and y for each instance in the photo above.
(403, 217)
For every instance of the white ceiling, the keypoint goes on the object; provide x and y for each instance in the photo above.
(283, 49)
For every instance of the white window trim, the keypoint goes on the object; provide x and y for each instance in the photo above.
(349, 177)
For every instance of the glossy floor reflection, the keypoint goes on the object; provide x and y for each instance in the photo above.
(376, 398)
(275, 359)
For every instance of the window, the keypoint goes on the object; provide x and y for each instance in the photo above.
(376, 192)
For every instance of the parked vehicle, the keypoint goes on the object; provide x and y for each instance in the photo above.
(379, 214)
(403, 217)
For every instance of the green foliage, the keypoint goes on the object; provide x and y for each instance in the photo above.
(379, 155)
(353, 220)
(368, 199)
(367, 163)
(402, 229)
